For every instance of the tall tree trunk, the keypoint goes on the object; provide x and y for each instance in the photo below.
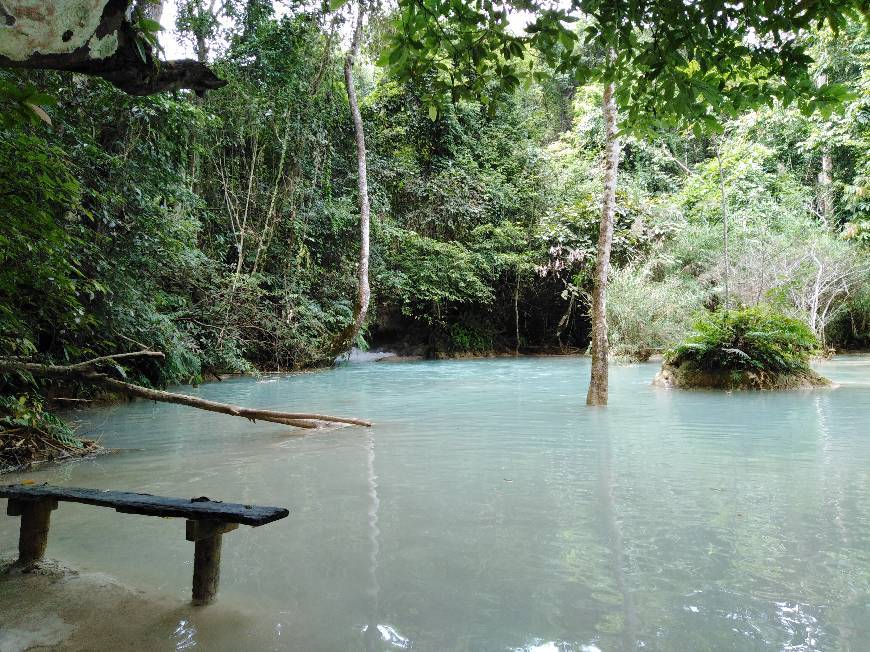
(723, 205)
(201, 48)
(204, 27)
(517, 313)
(826, 201)
(201, 57)
(347, 337)
(824, 198)
(597, 394)
(200, 35)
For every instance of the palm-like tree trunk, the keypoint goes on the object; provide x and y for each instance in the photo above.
(597, 394)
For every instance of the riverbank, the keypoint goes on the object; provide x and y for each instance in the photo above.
(31, 451)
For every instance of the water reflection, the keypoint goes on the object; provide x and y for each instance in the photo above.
(799, 626)
(540, 645)
(376, 636)
(615, 540)
(374, 532)
(184, 635)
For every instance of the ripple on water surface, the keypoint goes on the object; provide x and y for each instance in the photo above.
(489, 509)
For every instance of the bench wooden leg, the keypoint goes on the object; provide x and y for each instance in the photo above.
(35, 519)
(207, 557)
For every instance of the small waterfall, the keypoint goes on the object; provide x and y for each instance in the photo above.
(356, 355)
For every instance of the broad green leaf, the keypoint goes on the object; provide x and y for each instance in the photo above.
(149, 25)
(39, 112)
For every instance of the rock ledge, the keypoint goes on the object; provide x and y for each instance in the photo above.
(688, 377)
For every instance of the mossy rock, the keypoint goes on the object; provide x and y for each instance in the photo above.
(687, 376)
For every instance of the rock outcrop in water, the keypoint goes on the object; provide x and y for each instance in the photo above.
(746, 348)
(687, 376)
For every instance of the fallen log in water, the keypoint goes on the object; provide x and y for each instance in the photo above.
(88, 372)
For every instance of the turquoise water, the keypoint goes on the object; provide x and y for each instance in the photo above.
(489, 509)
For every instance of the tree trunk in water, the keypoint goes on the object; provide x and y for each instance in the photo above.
(723, 201)
(347, 337)
(597, 394)
(201, 57)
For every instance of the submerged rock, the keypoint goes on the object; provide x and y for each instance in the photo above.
(686, 376)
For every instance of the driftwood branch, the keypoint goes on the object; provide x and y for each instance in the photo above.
(89, 371)
(97, 39)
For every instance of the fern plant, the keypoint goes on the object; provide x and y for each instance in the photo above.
(749, 339)
(28, 412)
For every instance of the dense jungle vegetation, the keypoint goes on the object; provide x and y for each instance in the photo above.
(223, 230)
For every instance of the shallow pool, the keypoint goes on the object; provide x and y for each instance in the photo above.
(490, 509)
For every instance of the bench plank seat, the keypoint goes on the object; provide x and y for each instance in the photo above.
(207, 522)
(193, 509)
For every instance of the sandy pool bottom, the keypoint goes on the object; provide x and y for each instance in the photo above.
(55, 607)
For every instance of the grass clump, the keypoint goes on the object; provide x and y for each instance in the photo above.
(757, 340)
(646, 315)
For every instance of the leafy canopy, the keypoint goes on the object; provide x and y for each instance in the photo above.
(672, 60)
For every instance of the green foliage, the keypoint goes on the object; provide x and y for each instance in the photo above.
(26, 104)
(749, 339)
(40, 282)
(28, 412)
(757, 187)
(430, 273)
(145, 36)
(851, 328)
(646, 315)
(223, 231)
(465, 338)
(671, 60)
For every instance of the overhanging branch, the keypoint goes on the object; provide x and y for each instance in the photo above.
(93, 37)
(90, 372)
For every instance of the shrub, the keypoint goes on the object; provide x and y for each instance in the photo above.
(645, 316)
(29, 434)
(466, 338)
(750, 339)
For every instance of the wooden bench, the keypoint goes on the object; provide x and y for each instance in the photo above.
(207, 521)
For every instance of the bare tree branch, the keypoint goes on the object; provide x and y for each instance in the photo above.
(86, 372)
